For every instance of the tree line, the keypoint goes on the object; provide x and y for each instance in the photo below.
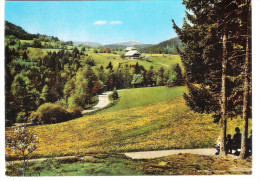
(165, 47)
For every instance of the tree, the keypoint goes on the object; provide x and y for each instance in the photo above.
(115, 94)
(208, 57)
(179, 78)
(126, 76)
(107, 50)
(83, 49)
(137, 80)
(97, 87)
(69, 88)
(137, 69)
(36, 43)
(122, 56)
(150, 77)
(246, 11)
(110, 66)
(160, 80)
(45, 95)
(20, 145)
(20, 90)
(84, 83)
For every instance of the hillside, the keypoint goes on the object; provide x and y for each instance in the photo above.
(20, 33)
(167, 46)
(170, 44)
(156, 123)
(160, 121)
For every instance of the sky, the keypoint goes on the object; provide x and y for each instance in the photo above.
(102, 22)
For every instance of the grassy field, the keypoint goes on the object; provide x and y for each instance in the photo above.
(118, 164)
(130, 98)
(155, 60)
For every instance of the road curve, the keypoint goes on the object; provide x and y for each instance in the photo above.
(103, 101)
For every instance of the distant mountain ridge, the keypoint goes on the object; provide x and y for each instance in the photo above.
(125, 44)
(91, 44)
(167, 45)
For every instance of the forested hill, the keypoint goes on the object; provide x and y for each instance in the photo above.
(20, 33)
(167, 46)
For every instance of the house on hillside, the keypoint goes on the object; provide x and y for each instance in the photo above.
(134, 54)
(131, 52)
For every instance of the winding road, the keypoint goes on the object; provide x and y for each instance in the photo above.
(103, 101)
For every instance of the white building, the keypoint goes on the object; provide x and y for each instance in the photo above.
(131, 52)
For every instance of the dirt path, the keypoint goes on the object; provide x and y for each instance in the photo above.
(161, 153)
(56, 158)
(144, 154)
(103, 101)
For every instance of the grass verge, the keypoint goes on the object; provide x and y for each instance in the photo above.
(118, 164)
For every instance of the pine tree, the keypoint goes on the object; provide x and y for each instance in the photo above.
(179, 78)
(246, 12)
(209, 58)
(25, 57)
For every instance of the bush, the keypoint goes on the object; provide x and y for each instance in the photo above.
(50, 113)
(172, 80)
(33, 118)
(21, 117)
(115, 94)
(75, 112)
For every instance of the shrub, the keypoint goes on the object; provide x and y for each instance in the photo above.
(137, 80)
(21, 117)
(115, 94)
(49, 113)
(172, 80)
(75, 112)
(33, 118)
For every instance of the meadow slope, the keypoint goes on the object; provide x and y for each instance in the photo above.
(151, 124)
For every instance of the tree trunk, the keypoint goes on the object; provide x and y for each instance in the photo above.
(246, 95)
(223, 121)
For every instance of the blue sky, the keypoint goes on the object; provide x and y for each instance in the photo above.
(103, 22)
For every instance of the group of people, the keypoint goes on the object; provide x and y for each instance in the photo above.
(235, 143)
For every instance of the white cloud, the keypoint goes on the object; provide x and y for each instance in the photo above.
(100, 22)
(116, 22)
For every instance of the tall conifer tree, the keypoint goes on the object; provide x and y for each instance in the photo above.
(210, 58)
